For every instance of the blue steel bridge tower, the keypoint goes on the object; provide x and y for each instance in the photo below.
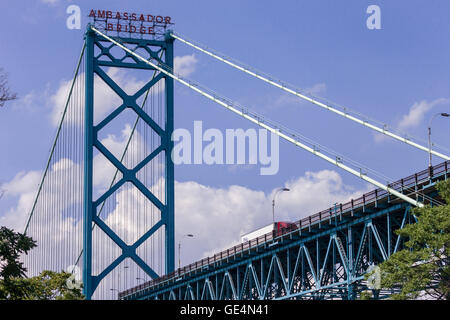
(102, 54)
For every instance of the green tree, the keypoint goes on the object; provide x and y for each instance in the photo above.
(14, 284)
(50, 285)
(12, 245)
(422, 267)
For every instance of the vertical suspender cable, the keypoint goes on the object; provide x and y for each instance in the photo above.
(56, 138)
(122, 159)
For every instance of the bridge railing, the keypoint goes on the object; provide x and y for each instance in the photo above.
(371, 197)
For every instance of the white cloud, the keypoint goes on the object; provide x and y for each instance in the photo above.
(23, 182)
(33, 101)
(23, 186)
(216, 216)
(27, 103)
(57, 207)
(50, 2)
(185, 65)
(103, 170)
(313, 192)
(219, 216)
(317, 89)
(417, 113)
(105, 99)
(289, 99)
(378, 137)
(58, 101)
(414, 117)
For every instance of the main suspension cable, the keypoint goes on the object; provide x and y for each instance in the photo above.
(245, 113)
(346, 112)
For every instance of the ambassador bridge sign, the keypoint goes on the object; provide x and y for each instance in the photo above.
(130, 22)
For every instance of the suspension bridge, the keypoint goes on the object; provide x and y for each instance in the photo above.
(106, 212)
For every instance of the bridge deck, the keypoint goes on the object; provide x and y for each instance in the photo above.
(368, 202)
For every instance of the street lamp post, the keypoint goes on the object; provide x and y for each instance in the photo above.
(112, 291)
(179, 248)
(124, 267)
(273, 201)
(119, 279)
(443, 114)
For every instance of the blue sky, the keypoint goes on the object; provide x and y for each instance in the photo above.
(389, 74)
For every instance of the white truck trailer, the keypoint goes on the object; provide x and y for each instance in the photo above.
(278, 227)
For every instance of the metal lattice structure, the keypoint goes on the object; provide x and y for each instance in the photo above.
(325, 257)
(161, 50)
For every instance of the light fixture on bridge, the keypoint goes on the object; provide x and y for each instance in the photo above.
(179, 248)
(442, 114)
(273, 201)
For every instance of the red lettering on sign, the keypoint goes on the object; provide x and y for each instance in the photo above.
(138, 26)
(100, 13)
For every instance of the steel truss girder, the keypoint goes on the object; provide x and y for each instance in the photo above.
(106, 57)
(317, 266)
(91, 218)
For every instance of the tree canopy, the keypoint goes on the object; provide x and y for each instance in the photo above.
(421, 269)
(14, 285)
